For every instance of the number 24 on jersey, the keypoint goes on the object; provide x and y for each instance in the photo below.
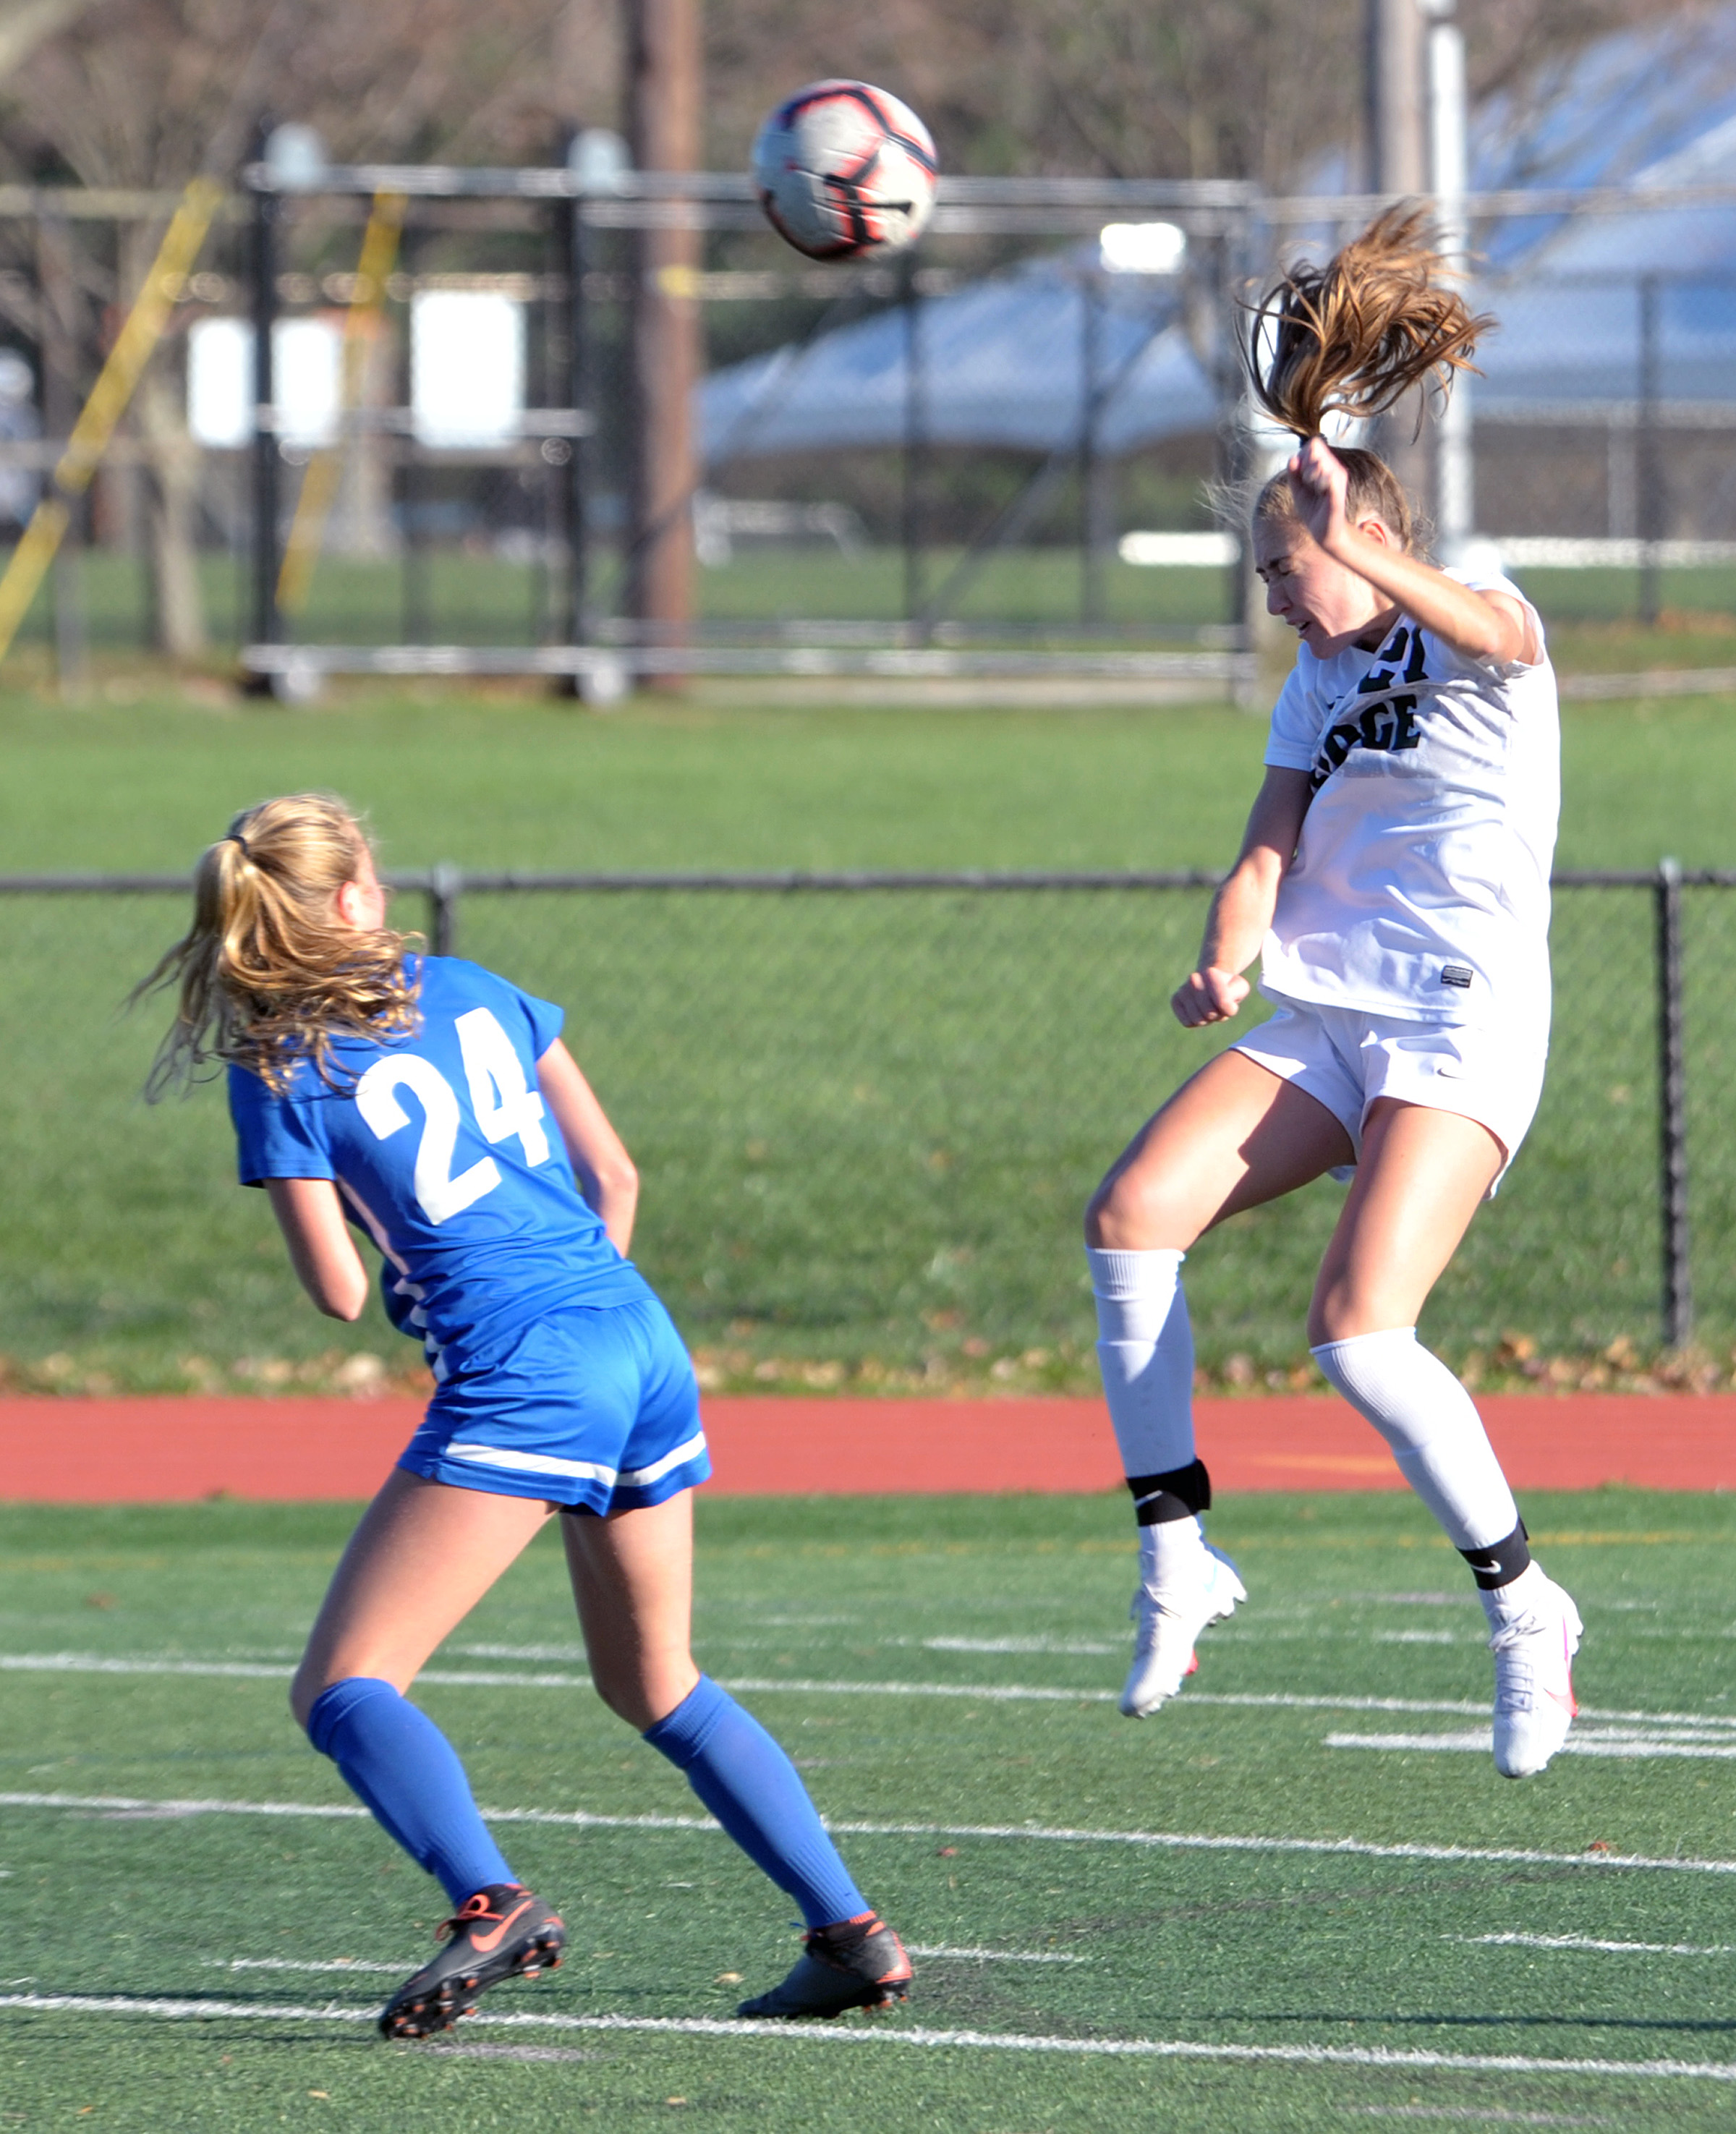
(504, 1106)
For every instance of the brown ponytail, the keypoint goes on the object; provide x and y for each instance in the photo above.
(267, 975)
(1352, 338)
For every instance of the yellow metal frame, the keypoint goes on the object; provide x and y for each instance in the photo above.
(319, 484)
(114, 387)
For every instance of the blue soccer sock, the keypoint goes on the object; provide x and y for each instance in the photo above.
(405, 1772)
(752, 1787)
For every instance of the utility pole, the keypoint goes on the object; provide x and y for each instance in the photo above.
(1395, 133)
(663, 77)
(1396, 128)
(1455, 494)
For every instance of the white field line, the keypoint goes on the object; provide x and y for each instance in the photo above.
(981, 1692)
(1575, 1744)
(1017, 1645)
(260, 1670)
(1601, 1947)
(345, 1964)
(512, 2052)
(889, 2034)
(575, 1654)
(125, 1805)
(338, 1963)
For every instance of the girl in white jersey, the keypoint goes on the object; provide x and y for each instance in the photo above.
(1394, 879)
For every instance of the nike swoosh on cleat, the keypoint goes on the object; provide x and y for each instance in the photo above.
(482, 1943)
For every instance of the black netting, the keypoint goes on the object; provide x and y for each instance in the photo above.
(867, 1123)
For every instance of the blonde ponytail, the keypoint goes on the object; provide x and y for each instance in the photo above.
(267, 975)
(1353, 337)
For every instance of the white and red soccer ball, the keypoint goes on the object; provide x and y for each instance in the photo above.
(843, 169)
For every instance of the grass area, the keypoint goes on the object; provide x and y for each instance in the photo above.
(448, 595)
(866, 1126)
(1263, 1947)
(137, 778)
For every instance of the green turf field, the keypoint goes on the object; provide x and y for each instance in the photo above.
(454, 595)
(464, 598)
(866, 1128)
(942, 1669)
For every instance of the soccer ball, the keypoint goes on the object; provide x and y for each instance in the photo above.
(844, 169)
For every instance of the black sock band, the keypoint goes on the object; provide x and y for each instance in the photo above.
(1502, 1561)
(1178, 1494)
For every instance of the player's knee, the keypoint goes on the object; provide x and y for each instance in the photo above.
(311, 1682)
(624, 1694)
(612, 1698)
(304, 1693)
(644, 1694)
(1345, 1312)
(1131, 1212)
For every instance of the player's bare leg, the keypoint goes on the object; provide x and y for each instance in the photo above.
(632, 1581)
(424, 1554)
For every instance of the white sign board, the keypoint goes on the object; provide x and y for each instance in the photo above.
(1142, 248)
(308, 379)
(466, 368)
(220, 383)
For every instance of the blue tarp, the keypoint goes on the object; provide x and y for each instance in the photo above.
(1003, 360)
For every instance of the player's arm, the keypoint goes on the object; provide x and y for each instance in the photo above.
(321, 1248)
(1242, 911)
(599, 1157)
(1482, 625)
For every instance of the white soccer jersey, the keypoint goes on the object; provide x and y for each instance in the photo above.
(1421, 885)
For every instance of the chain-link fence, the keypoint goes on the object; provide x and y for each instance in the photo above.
(868, 1111)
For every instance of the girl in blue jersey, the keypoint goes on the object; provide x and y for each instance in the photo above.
(432, 1106)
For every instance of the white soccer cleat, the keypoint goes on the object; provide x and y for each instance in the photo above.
(1534, 1644)
(1202, 1588)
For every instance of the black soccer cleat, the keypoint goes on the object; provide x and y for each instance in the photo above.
(503, 1932)
(858, 1963)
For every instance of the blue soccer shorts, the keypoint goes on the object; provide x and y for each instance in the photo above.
(594, 1408)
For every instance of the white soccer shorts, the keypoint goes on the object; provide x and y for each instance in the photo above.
(1345, 1058)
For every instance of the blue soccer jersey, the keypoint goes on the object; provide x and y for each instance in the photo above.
(444, 1151)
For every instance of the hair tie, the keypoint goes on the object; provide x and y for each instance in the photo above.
(235, 837)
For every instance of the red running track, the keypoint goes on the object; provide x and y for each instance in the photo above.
(174, 1451)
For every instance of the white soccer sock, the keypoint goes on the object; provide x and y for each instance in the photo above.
(1145, 1352)
(1431, 1423)
(1502, 1604)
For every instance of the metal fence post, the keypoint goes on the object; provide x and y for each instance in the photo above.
(581, 391)
(1678, 1325)
(60, 300)
(445, 885)
(1091, 511)
(1649, 471)
(268, 622)
(916, 424)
